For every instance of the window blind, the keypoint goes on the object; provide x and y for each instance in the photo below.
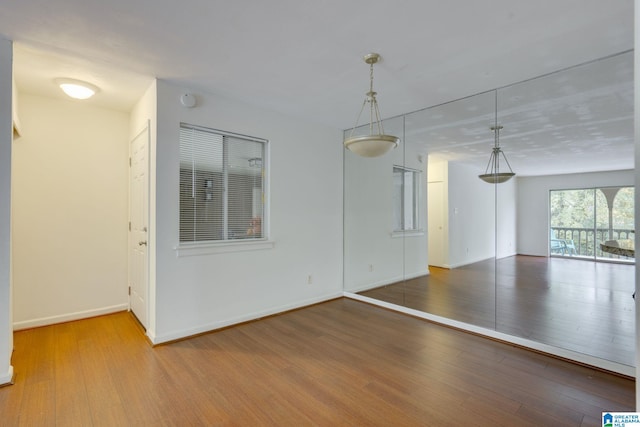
(222, 188)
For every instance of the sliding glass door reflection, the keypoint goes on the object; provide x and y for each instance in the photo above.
(586, 221)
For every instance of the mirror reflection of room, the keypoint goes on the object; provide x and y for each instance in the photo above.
(546, 256)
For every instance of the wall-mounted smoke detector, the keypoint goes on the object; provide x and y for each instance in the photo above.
(188, 100)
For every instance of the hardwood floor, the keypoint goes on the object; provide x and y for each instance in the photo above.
(574, 304)
(334, 364)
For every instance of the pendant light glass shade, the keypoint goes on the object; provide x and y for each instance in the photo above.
(492, 173)
(376, 143)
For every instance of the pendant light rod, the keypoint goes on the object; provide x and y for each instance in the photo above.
(497, 148)
(492, 173)
(374, 110)
(374, 144)
(374, 114)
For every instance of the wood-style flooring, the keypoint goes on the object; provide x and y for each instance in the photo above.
(580, 305)
(340, 363)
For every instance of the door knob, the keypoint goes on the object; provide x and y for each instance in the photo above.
(142, 243)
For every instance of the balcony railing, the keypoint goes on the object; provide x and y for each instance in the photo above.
(586, 241)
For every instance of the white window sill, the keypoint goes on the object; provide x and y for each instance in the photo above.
(407, 233)
(208, 248)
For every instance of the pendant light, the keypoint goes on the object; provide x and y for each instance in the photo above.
(492, 173)
(376, 143)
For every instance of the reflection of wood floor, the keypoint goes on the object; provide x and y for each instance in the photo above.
(578, 305)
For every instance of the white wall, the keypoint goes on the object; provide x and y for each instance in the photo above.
(416, 246)
(372, 256)
(200, 293)
(6, 131)
(471, 216)
(70, 173)
(533, 203)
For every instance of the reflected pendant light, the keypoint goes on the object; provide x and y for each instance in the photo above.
(374, 144)
(492, 173)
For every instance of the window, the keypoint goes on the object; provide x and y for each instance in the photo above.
(222, 185)
(583, 219)
(406, 186)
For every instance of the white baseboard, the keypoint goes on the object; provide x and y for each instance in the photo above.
(210, 327)
(467, 262)
(582, 358)
(368, 286)
(68, 317)
(509, 255)
(7, 378)
(417, 274)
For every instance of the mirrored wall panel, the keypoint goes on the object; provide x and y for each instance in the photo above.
(374, 252)
(569, 136)
(546, 255)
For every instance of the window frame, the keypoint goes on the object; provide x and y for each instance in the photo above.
(416, 183)
(227, 244)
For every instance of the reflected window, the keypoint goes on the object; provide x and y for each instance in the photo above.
(406, 190)
(222, 189)
(581, 220)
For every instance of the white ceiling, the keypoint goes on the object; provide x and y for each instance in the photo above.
(303, 58)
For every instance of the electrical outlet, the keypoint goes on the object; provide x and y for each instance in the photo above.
(309, 280)
(370, 267)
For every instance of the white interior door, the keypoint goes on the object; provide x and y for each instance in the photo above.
(138, 226)
(435, 207)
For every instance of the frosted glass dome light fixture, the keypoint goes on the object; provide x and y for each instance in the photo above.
(492, 173)
(376, 143)
(77, 89)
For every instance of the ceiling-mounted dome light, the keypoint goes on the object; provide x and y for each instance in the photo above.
(77, 88)
(374, 144)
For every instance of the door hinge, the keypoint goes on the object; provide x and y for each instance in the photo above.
(129, 290)
(129, 225)
(129, 161)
